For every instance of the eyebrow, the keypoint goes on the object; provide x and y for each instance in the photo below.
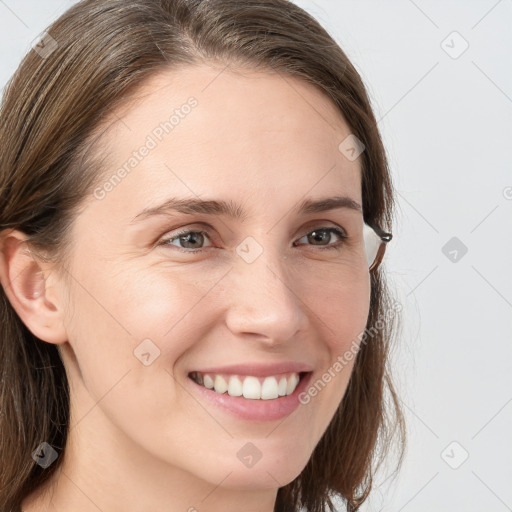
(235, 211)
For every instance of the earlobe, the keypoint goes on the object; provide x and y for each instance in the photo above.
(26, 282)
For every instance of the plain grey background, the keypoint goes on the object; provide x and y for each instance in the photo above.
(440, 79)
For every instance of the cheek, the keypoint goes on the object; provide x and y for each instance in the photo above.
(341, 315)
(113, 314)
(342, 308)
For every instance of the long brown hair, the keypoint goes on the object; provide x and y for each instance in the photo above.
(95, 55)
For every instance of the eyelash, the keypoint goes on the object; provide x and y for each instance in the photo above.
(341, 234)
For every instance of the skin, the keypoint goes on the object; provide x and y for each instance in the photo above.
(140, 439)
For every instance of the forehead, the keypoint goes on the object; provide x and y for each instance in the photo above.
(214, 131)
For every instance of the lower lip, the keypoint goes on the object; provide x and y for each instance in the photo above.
(255, 409)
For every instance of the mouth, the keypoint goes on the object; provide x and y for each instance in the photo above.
(249, 386)
(252, 398)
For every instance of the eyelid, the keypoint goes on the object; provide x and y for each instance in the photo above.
(208, 229)
(319, 223)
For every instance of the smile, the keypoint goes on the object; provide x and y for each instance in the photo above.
(248, 386)
(255, 398)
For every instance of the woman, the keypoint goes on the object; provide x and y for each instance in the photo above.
(195, 204)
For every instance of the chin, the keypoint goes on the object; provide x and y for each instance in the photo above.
(269, 472)
(264, 477)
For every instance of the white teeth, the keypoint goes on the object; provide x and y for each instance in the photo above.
(282, 387)
(269, 389)
(249, 387)
(220, 384)
(207, 382)
(252, 388)
(235, 386)
(292, 384)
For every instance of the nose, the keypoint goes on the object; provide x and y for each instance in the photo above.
(263, 302)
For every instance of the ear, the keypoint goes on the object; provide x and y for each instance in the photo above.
(29, 288)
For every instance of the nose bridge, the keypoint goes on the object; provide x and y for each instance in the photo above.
(264, 300)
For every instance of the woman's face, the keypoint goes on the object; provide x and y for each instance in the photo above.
(263, 289)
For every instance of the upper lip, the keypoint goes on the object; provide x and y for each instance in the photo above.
(258, 369)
